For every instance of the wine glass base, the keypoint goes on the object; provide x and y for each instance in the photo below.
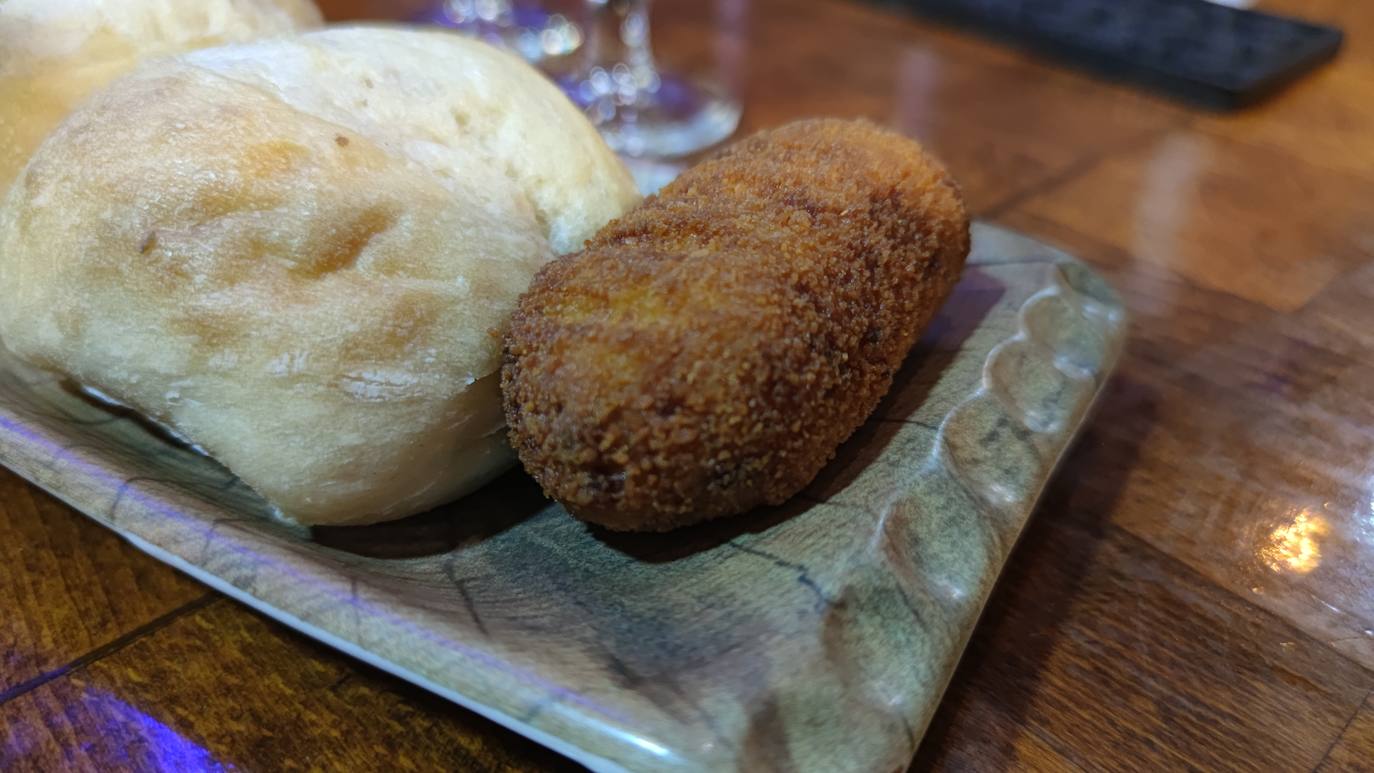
(680, 117)
(651, 174)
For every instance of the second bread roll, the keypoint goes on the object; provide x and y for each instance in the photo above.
(53, 53)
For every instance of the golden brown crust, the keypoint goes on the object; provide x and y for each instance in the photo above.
(709, 350)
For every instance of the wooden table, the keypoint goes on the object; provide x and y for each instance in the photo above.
(1197, 589)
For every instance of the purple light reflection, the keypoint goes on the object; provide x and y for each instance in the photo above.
(126, 739)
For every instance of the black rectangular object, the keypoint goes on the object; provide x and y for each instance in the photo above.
(1207, 53)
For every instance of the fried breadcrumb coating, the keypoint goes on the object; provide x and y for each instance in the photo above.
(708, 351)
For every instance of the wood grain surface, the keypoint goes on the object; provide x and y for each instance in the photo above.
(1195, 590)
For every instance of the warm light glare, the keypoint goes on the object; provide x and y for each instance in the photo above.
(1294, 547)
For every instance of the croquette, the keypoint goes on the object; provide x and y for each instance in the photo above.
(708, 351)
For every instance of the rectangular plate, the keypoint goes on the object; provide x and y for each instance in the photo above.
(814, 636)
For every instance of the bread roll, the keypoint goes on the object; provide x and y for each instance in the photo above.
(53, 53)
(301, 255)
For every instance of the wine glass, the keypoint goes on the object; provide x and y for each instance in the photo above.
(642, 111)
(532, 29)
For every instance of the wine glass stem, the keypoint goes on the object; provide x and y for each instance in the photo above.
(640, 111)
(618, 39)
(480, 12)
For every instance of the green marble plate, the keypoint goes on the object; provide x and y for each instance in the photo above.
(815, 636)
